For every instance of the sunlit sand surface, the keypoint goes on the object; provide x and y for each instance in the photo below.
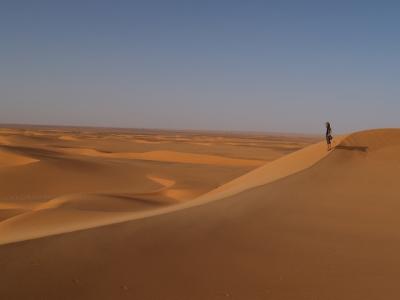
(198, 215)
(56, 180)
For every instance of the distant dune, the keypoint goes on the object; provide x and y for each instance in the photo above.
(9, 159)
(170, 156)
(310, 225)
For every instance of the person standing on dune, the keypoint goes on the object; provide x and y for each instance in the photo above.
(328, 135)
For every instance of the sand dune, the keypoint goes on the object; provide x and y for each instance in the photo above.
(113, 184)
(372, 140)
(8, 159)
(280, 168)
(271, 172)
(310, 225)
(328, 231)
(4, 141)
(170, 192)
(147, 142)
(170, 156)
(68, 138)
(72, 212)
(166, 183)
(78, 211)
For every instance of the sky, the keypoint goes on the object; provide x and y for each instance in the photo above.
(273, 66)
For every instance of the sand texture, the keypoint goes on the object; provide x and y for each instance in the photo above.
(309, 224)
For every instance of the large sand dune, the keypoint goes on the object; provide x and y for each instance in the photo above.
(311, 225)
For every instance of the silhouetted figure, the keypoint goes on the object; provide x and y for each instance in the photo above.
(328, 135)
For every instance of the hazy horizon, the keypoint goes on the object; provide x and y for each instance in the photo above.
(259, 66)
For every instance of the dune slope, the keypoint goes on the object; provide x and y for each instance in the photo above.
(8, 159)
(327, 232)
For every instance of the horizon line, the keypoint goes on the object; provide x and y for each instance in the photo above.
(187, 130)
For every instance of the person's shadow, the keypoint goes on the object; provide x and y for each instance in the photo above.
(352, 148)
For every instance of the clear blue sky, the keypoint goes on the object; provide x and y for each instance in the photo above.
(230, 65)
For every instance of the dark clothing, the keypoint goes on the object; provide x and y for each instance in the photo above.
(328, 134)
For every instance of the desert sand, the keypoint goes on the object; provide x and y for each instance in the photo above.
(57, 180)
(276, 218)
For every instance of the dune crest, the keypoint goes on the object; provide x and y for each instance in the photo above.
(9, 159)
(275, 170)
(168, 189)
(166, 183)
(372, 140)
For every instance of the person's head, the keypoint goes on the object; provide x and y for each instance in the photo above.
(327, 124)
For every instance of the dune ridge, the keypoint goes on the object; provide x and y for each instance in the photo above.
(9, 159)
(275, 170)
(166, 183)
(372, 140)
(168, 190)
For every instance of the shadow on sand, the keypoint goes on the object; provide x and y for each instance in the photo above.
(352, 148)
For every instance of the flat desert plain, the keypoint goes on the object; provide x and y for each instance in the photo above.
(137, 214)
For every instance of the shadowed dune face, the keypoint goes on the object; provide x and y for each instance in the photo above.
(327, 231)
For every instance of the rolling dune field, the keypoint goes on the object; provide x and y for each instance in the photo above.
(56, 180)
(189, 215)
